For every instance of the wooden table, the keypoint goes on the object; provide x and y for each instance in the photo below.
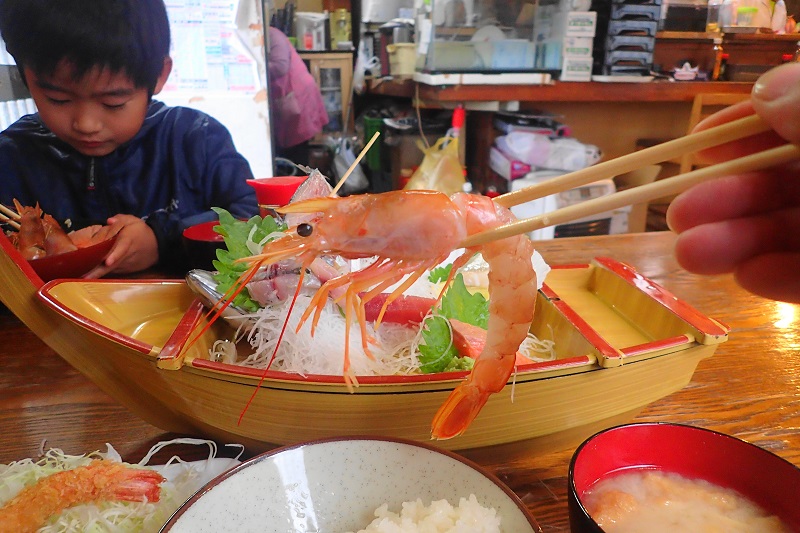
(749, 388)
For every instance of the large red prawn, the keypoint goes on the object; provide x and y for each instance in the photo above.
(39, 234)
(410, 232)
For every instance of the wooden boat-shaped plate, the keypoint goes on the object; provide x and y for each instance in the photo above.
(622, 342)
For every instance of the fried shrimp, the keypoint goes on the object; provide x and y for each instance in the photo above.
(101, 480)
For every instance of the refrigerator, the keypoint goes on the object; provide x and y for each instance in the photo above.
(219, 68)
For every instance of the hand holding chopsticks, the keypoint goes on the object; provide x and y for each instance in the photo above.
(725, 133)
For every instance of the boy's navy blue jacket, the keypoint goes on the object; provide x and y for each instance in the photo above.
(180, 164)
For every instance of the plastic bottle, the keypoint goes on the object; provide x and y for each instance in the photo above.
(718, 55)
(712, 18)
(778, 21)
(727, 13)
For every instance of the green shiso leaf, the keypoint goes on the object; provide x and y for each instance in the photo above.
(437, 353)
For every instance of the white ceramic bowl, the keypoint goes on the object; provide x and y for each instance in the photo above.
(335, 485)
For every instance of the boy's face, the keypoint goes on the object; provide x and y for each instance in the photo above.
(95, 114)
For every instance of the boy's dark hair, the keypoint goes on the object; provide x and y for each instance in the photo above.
(129, 36)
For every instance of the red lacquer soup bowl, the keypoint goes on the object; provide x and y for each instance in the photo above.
(770, 482)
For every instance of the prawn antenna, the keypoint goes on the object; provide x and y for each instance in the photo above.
(277, 345)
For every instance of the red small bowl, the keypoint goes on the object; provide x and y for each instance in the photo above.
(201, 242)
(276, 191)
(71, 264)
(760, 476)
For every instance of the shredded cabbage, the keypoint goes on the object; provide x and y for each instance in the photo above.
(182, 480)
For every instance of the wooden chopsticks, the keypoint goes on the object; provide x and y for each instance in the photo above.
(9, 216)
(737, 129)
(725, 133)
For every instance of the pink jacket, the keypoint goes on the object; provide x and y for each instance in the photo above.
(297, 108)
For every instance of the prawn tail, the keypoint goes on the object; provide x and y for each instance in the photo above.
(458, 411)
(141, 485)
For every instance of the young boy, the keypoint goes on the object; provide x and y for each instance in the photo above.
(100, 150)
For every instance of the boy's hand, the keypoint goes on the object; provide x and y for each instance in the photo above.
(135, 249)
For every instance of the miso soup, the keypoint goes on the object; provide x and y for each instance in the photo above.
(655, 501)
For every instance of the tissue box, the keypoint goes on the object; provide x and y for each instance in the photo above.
(505, 166)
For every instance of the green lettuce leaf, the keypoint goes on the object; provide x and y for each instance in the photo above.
(237, 234)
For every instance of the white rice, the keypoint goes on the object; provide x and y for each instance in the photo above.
(438, 517)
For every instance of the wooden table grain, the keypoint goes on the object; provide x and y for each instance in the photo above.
(749, 388)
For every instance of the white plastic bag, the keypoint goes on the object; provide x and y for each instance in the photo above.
(778, 19)
(540, 151)
(363, 64)
(342, 159)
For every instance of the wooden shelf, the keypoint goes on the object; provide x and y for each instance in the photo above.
(657, 91)
(729, 36)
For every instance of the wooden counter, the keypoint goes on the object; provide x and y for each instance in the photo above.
(748, 388)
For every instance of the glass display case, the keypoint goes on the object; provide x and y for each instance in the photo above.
(483, 36)
(333, 72)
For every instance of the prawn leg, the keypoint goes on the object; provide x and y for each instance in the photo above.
(385, 280)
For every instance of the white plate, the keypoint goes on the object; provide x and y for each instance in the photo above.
(335, 485)
(488, 33)
(623, 79)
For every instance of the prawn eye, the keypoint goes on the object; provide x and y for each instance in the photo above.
(305, 230)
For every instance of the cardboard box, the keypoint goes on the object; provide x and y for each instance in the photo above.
(577, 46)
(575, 24)
(576, 69)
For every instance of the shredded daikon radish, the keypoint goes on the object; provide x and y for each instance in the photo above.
(395, 348)
(537, 349)
(301, 353)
